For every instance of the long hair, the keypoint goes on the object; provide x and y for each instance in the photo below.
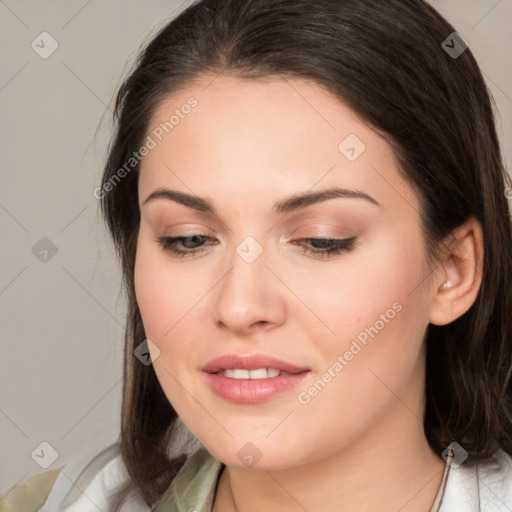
(387, 61)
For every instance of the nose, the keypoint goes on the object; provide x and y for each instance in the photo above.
(250, 297)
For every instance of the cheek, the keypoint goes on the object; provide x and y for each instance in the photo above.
(163, 303)
(150, 297)
(351, 294)
(394, 300)
(378, 311)
(381, 315)
(165, 294)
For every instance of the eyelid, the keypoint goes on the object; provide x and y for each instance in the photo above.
(315, 228)
(310, 232)
(183, 229)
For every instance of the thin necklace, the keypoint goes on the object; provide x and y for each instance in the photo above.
(231, 491)
(440, 494)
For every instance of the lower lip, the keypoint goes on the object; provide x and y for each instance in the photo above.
(252, 391)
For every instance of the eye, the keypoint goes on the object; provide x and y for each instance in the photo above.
(193, 244)
(325, 247)
(189, 242)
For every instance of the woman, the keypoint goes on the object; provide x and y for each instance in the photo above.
(309, 204)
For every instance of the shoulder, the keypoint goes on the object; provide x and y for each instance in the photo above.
(83, 485)
(482, 486)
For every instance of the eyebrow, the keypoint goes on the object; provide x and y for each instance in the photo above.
(289, 204)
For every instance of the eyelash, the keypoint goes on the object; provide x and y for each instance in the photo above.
(341, 245)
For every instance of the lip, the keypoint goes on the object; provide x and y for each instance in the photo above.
(252, 391)
(252, 362)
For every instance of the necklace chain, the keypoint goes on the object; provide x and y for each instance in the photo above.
(231, 492)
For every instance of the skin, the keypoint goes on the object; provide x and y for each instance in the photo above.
(358, 444)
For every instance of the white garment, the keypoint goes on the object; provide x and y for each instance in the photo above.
(488, 489)
(85, 484)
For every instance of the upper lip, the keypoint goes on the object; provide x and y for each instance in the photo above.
(253, 362)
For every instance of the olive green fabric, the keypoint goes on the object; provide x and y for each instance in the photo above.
(30, 496)
(193, 488)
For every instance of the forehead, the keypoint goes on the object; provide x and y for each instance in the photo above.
(262, 135)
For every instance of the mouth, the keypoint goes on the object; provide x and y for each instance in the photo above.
(253, 379)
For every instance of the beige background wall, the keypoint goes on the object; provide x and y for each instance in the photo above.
(62, 319)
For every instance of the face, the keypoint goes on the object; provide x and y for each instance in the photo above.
(254, 276)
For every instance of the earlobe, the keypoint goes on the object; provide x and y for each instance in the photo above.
(460, 274)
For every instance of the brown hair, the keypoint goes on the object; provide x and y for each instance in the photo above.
(385, 61)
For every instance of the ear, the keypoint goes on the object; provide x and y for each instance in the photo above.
(460, 271)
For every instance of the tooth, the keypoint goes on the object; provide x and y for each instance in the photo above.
(240, 374)
(260, 373)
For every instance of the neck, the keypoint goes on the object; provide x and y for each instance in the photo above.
(400, 474)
